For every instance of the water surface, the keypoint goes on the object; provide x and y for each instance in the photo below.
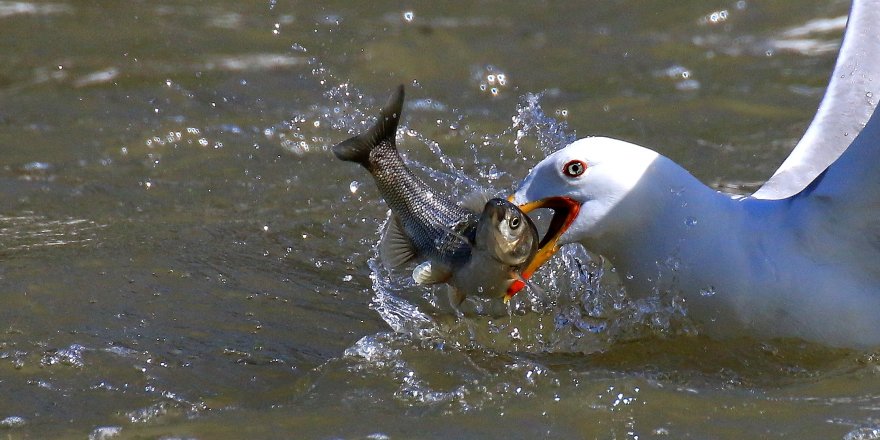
(183, 258)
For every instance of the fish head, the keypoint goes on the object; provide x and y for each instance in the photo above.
(506, 233)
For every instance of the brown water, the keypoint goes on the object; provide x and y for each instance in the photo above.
(183, 258)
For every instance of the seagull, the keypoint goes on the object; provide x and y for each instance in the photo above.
(799, 258)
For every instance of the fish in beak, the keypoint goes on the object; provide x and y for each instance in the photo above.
(565, 210)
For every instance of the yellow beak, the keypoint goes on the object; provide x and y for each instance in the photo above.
(565, 210)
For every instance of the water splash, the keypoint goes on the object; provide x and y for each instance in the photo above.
(863, 433)
(401, 315)
(380, 352)
(531, 120)
(386, 356)
(345, 114)
(572, 308)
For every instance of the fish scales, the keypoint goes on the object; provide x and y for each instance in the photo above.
(424, 214)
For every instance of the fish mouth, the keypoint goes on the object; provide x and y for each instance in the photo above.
(565, 210)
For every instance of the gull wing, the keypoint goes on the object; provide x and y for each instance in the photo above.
(849, 102)
(851, 185)
(836, 215)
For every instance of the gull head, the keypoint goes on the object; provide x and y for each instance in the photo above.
(596, 188)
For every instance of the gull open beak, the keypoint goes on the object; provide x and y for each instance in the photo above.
(565, 210)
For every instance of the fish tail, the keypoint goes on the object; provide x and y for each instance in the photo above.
(358, 148)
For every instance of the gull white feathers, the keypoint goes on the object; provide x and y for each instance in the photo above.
(799, 258)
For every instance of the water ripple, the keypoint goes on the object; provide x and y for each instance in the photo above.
(31, 231)
(9, 9)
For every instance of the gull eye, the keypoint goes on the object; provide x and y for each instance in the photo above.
(574, 168)
(513, 223)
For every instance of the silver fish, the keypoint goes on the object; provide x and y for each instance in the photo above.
(474, 252)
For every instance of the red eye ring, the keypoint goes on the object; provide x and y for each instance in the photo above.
(574, 168)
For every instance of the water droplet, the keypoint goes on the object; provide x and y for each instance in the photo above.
(707, 292)
(690, 221)
(492, 173)
(718, 16)
(514, 334)
(408, 16)
(347, 278)
(673, 263)
(354, 186)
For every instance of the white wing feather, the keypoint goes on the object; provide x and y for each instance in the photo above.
(849, 102)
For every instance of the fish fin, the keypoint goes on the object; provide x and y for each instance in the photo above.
(428, 273)
(396, 249)
(476, 201)
(357, 149)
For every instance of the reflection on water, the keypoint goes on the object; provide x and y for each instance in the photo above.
(29, 231)
(183, 257)
(11, 8)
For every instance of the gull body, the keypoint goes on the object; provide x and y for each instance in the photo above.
(799, 258)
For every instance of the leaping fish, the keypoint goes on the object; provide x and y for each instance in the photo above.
(475, 253)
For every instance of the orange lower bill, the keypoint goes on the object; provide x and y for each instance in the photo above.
(565, 210)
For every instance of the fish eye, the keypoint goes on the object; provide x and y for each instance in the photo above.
(513, 223)
(574, 168)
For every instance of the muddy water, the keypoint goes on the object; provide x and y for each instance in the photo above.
(183, 258)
